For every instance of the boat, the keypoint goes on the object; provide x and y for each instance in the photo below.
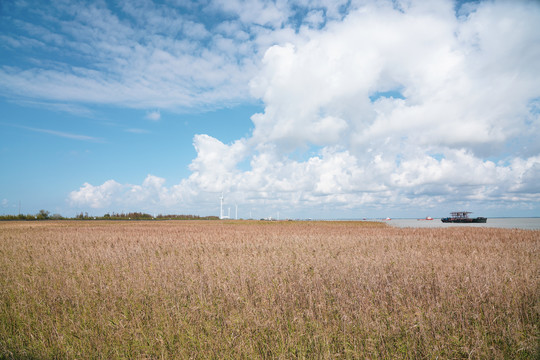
(427, 218)
(463, 218)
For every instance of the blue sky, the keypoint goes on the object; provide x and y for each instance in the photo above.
(313, 109)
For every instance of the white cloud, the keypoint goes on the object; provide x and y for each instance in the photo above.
(140, 55)
(148, 196)
(314, 18)
(260, 12)
(153, 115)
(459, 129)
(451, 96)
(216, 163)
(97, 196)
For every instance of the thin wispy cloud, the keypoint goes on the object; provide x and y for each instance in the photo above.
(137, 131)
(70, 108)
(63, 134)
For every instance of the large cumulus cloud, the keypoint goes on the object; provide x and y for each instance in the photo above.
(404, 105)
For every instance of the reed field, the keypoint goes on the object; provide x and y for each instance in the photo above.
(266, 290)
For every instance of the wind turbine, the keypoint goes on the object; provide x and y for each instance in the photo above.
(221, 206)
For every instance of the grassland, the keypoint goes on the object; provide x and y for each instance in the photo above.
(226, 289)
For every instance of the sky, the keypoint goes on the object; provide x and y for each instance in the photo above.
(324, 109)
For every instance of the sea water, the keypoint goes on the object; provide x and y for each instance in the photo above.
(508, 223)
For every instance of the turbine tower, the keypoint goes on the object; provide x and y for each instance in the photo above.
(221, 207)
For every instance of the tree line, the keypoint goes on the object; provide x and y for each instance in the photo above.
(46, 215)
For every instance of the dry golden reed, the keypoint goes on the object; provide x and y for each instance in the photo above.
(241, 289)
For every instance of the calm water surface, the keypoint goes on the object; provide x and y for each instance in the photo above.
(509, 223)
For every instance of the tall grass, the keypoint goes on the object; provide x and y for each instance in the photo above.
(228, 289)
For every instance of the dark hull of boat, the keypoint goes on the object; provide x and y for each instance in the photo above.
(464, 221)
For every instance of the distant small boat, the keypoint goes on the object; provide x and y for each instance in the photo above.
(387, 219)
(427, 218)
(463, 218)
